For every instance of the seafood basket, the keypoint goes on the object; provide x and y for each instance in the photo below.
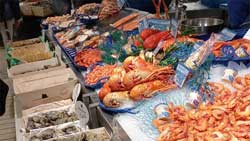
(100, 82)
(70, 52)
(88, 14)
(59, 22)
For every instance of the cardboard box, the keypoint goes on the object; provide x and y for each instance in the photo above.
(44, 87)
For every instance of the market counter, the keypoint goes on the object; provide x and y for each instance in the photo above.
(127, 127)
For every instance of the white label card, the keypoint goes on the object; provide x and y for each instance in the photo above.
(181, 75)
(76, 92)
(82, 113)
(158, 48)
(227, 34)
(247, 35)
(174, 27)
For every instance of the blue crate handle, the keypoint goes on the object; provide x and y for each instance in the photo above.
(115, 110)
(228, 51)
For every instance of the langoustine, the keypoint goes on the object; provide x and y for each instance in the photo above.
(148, 89)
(138, 79)
(226, 119)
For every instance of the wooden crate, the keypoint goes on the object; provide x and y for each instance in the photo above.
(33, 67)
(25, 42)
(20, 114)
(26, 9)
(41, 11)
(44, 87)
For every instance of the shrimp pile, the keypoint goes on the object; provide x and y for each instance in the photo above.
(88, 57)
(98, 73)
(227, 119)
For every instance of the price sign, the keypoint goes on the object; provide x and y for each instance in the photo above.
(247, 35)
(227, 34)
(76, 92)
(158, 48)
(174, 27)
(82, 113)
(182, 73)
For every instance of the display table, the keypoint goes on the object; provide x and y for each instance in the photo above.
(129, 127)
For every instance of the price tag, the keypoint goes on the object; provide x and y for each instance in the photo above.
(182, 73)
(174, 27)
(247, 35)
(82, 113)
(120, 3)
(76, 92)
(143, 25)
(197, 45)
(43, 36)
(227, 34)
(158, 48)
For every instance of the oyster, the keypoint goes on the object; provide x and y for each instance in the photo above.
(51, 118)
(44, 135)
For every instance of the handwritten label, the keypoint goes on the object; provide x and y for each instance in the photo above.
(181, 75)
(82, 113)
(227, 34)
(247, 35)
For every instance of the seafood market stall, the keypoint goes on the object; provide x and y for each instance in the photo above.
(124, 74)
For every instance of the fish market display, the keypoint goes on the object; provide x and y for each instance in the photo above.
(75, 37)
(88, 57)
(108, 8)
(55, 19)
(227, 118)
(239, 48)
(88, 9)
(98, 73)
(50, 118)
(135, 80)
(60, 21)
